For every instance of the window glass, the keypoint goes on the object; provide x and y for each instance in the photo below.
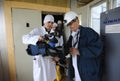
(95, 16)
(116, 3)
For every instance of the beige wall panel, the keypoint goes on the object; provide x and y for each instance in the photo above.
(39, 7)
(59, 3)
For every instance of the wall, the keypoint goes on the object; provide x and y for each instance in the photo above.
(3, 49)
(59, 3)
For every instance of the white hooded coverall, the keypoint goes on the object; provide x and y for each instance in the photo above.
(43, 67)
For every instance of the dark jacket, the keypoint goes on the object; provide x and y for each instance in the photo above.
(90, 47)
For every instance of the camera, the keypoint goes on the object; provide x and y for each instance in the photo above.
(45, 47)
(50, 39)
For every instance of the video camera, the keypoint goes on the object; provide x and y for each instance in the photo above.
(45, 47)
(50, 39)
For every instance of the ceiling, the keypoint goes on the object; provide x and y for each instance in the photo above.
(81, 3)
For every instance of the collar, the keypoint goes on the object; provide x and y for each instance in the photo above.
(73, 33)
(47, 30)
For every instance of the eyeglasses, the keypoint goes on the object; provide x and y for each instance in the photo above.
(74, 20)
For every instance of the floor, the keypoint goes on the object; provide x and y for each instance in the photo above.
(63, 79)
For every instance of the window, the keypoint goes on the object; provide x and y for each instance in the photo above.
(116, 3)
(95, 16)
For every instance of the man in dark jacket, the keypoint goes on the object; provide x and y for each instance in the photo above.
(85, 48)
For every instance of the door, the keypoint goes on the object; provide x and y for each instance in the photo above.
(24, 20)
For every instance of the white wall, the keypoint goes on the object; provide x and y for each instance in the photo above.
(3, 50)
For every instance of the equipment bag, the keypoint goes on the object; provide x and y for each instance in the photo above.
(38, 49)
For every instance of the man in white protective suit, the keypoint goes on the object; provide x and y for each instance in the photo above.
(43, 67)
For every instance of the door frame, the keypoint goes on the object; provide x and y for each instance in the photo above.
(8, 5)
